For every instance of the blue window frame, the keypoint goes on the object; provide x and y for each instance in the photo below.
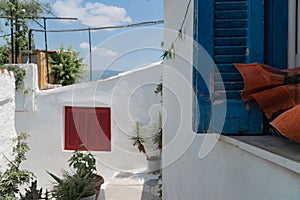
(241, 31)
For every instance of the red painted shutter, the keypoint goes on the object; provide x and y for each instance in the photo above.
(103, 116)
(88, 126)
(71, 135)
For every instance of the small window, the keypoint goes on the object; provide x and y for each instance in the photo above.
(88, 126)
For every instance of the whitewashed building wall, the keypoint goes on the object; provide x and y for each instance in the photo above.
(131, 98)
(7, 115)
(232, 170)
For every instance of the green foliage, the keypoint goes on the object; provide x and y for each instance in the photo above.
(79, 184)
(73, 186)
(137, 138)
(13, 176)
(83, 163)
(4, 57)
(19, 74)
(169, 54)
(32, 193)
(18, 13)
(67, 67)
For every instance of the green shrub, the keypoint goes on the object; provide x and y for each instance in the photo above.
(13, 176)
(67, 67)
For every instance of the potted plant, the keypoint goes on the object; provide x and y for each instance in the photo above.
(73, 186)
(139, 140)
(33, 193)
(85, 163)
(83, 183)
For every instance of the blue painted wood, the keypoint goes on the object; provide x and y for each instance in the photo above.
(228, 23)
(236, 85)
(233, 94)
(230, 1)
(203, 31)
(230, 32)
(228, 59)
(233, 39)
(230, 50)
(230, 41)
(228, 77)
(255, 31)
(276, 33)
(227, 68)
(236, 14)
(236, 112)
(242, 5)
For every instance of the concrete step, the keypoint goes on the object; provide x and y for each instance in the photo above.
(131, 186)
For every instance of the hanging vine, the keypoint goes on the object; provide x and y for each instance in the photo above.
(170, 52)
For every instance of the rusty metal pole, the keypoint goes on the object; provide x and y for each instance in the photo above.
(46, 49)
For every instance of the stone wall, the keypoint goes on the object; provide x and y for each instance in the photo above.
(7, 114)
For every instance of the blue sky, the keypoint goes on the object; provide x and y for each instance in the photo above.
(120, 49)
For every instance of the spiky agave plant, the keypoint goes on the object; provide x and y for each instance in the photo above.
(137, 139)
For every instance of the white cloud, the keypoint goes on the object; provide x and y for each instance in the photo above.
(91, 14)
(84, 45)
(99, 51)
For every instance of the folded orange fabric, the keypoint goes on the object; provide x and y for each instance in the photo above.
(277, 92)
(273, 101)
(288, 123)
(258, 77)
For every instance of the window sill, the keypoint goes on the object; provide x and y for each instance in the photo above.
(278, 150)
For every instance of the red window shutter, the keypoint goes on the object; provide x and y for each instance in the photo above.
(70, 130)
(89, 126)
(103, 117)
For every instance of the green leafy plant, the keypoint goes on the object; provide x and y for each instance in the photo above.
(19, 74)
(17, 14)
(67, 67)
(83, 163)
(4, 50)
(73, 186)
(170, 52)
(138, 140)
(83, 182)
(13, 176)
(32, 193)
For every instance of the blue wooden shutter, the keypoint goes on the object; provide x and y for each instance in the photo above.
(276, 33)
(231, 32)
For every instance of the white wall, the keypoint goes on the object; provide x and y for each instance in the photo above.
(227, 172)
(7, 116)
(25, 95)
(130, 96)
